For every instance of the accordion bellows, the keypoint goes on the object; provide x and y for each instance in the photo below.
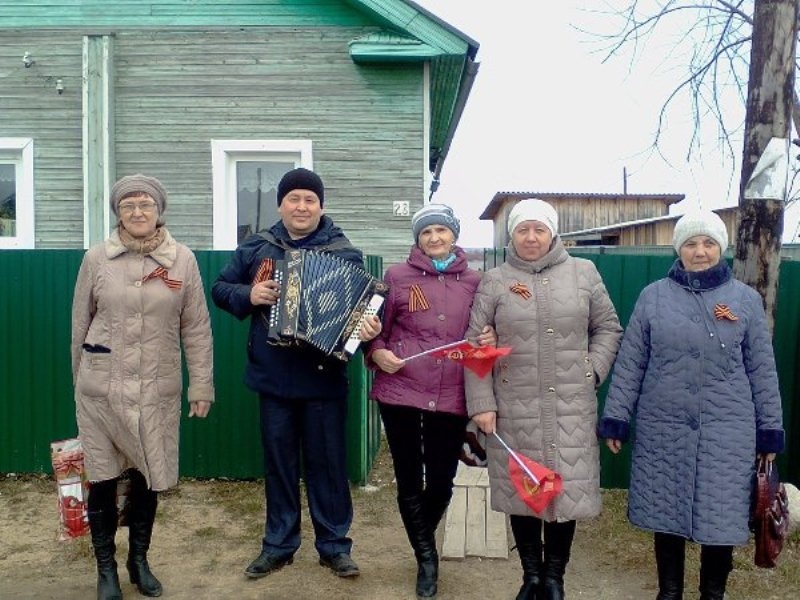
(323, 300)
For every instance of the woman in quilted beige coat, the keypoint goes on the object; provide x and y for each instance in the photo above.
(555, 313)
(138, 297)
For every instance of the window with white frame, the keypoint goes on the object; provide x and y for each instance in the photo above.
(246, 175)
(16, 193)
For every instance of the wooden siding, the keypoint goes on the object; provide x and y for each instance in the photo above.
(176, 91)
(31, 107)
(660, 232)
(577, 213)
(176, 13)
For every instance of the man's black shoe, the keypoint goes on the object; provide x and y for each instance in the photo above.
(341, 564)
(266, 563)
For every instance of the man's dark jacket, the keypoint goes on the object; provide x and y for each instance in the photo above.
(296, 371)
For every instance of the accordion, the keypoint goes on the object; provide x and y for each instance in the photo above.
(323, 301)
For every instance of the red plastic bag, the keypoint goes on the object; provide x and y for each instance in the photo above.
(73, 488)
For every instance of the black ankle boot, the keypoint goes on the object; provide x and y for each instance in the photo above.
(141, 516)
(670, 553)
(423, 541)
(103, 525)
(716, 563)
(557, 546)
(528, 539)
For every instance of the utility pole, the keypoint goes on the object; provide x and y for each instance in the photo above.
(770, 93)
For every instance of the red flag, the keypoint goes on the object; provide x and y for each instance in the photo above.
(478, 359)
(536, 495)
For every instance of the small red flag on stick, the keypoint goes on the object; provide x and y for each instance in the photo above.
(536, 485)
(478, 359)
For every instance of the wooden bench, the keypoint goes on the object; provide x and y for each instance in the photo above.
(472, 528)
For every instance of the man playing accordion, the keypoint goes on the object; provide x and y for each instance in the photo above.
(302, 392)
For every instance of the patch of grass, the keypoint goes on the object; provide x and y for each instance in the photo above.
(620, 543)
(207, 532)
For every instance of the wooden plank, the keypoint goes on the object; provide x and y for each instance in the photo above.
(476, 522)
(483, 479)
(467, 476)
(455, 526)
(496, 531)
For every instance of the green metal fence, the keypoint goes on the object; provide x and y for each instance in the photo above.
(37, 407)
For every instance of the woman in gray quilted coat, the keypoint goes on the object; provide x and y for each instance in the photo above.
(555, 313)
(696, 373)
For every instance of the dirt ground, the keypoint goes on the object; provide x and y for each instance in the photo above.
(208, 531)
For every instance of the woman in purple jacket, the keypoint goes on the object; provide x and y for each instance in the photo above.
(422, 400)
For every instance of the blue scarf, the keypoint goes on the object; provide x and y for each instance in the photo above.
(441, 265)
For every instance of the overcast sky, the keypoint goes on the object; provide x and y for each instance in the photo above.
(545, 114)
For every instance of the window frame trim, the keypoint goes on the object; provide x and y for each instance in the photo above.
(224, 156)
(25, 238)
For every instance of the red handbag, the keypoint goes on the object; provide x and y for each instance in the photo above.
(769, 520)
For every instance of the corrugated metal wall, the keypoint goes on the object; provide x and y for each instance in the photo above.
(36, 405)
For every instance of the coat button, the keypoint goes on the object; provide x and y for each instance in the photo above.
(440, 317)
(441, 277)
(320, 367)
(552, 446)
(586, 360)
(137, 283)
(589, 374)
(438, 361)
(431, 404)
(549, 330)
(551, 389)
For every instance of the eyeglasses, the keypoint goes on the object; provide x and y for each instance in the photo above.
(130, 207)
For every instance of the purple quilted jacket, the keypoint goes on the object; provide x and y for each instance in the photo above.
(425, 309)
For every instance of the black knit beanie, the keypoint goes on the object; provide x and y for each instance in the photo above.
(301, 179)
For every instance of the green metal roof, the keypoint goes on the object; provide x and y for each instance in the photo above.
(414, 34)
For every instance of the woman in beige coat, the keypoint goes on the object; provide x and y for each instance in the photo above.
(138, 297)
(554, 312)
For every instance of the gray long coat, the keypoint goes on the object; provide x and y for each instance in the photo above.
(564, 338)
(703, 393)
(129, 399)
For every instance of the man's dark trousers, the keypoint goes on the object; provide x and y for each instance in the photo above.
(310, 430)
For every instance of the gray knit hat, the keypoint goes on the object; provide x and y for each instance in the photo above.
(700, 222)
(434, 214)
(132, 185)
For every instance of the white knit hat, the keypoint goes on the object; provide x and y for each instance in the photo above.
(533, 210)
(700, 222)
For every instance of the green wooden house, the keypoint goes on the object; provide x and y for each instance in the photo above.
(218, 99)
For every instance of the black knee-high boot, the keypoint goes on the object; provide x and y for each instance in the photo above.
(557, 546)
(102, 513)
(716, 562)
(670, 553)
(528, 539)
(141, 516)
(423, 541)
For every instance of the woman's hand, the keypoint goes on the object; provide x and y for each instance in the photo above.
(486, 421)
(487, 336)
(199, 409)
(769, 456)
(265, 293)
(614, 445)
(370, 328)
(387, 361)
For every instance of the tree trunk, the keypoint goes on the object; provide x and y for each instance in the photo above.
(770, 96)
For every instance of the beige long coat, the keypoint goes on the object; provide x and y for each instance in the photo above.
(564, 336)
(129, 399)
